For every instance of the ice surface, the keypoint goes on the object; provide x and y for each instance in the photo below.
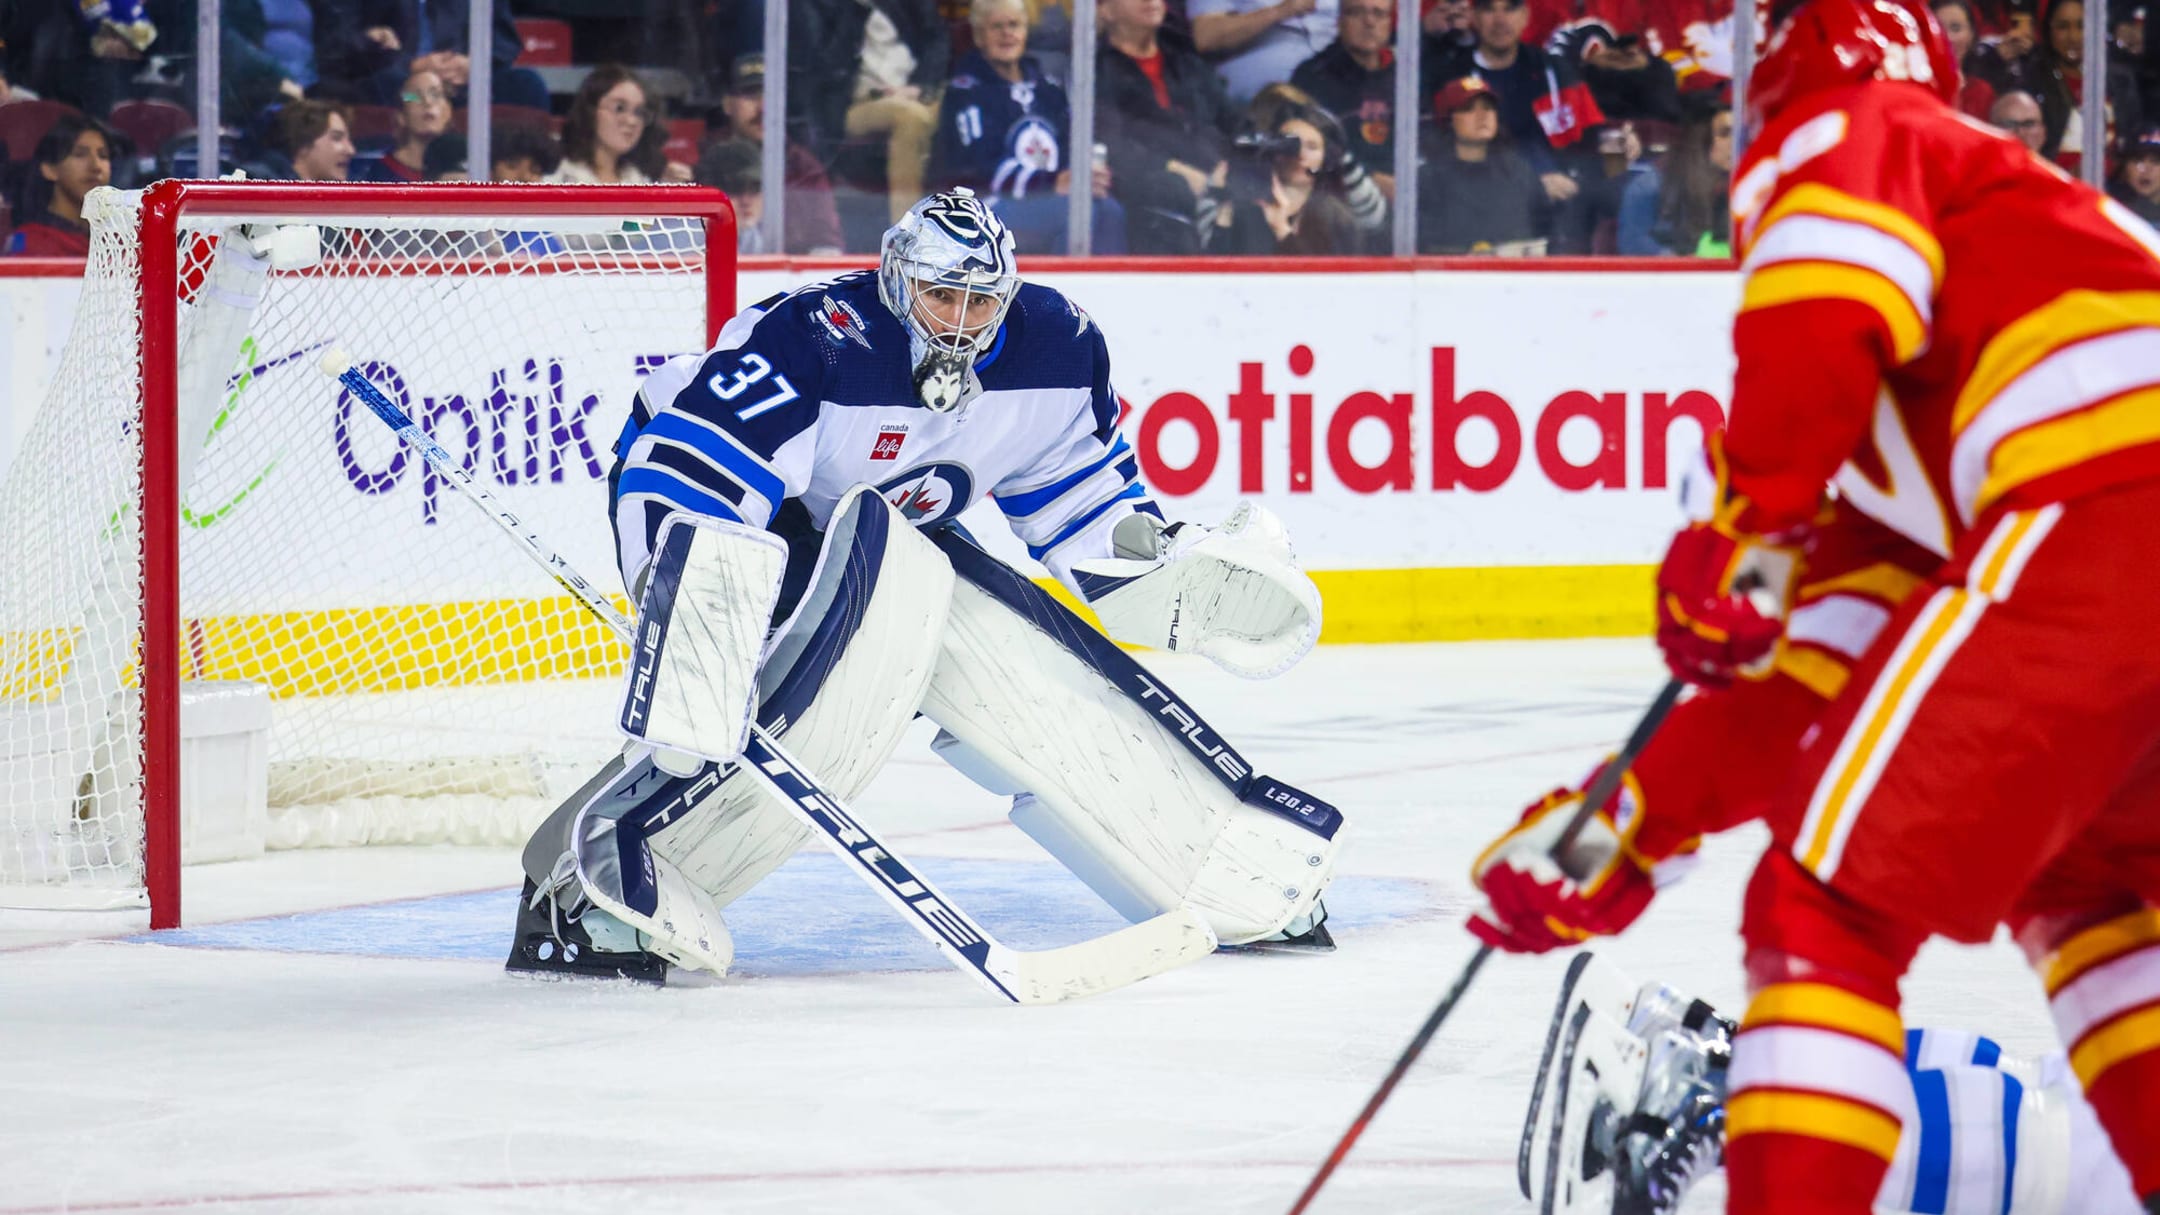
(334, 1033)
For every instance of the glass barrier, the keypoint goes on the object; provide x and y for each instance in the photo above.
(1161, 127)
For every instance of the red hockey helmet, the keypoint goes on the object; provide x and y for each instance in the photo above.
(1821, 44)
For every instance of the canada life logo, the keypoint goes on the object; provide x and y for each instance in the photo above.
(887, 446)
(1256, 418)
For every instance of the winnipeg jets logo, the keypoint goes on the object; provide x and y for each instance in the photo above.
(1035, 145)
(841, 322)
(1079, 314)
(930, 494)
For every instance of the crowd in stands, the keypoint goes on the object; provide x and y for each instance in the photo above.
(1222, 127)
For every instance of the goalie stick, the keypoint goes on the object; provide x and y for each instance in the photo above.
(1022, 976)
(1594, 799)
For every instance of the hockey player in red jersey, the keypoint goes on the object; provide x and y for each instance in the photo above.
(1974, 340)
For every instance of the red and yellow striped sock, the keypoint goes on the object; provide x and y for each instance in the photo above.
(2103, 985)
(1818, 1091)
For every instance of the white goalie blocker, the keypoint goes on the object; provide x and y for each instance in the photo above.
(1116, 779)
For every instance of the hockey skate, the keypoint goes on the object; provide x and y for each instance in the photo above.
(552, 940)
(1627, 1111)
(1304, 934)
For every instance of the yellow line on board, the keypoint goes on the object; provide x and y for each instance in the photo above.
(387, 649)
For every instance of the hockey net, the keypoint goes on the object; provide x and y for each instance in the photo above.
(201, 530)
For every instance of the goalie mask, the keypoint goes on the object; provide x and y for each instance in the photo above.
(946, 270)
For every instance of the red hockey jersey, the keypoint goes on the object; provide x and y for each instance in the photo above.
(1930, 308)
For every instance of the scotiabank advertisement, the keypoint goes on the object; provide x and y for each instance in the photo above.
(1508, 437)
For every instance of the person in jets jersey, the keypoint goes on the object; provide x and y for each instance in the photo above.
(1628, 1113)
(784, 509)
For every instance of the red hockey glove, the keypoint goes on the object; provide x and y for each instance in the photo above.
(1537, 903)
(1722, 590)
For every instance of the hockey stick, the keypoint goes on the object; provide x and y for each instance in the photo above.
(1594, 799)
(1023, 976)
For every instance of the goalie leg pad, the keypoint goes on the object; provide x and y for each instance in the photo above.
(840, 685)
(703, 611)
(1127, 787)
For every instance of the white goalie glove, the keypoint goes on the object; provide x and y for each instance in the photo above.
(1233, 593)
(703, 611)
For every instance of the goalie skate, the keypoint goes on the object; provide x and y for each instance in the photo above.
(551, 942)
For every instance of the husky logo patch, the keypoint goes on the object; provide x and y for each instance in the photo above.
(888, 443)
(842, 323)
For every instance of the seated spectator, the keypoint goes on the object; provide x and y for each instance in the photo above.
(377, 44)
(1476, 194)
(613, 136)
(1355, 79)
(1283, 196)
(1628, 82)
(812, 222)
(2138, 188)
(1002, 132)
(316, 136)
(872, 67)
(1160, 110)
(1544, 108)
(2061, 76)
(2019, 113)
(86, 55)
(1344, 176)
(1976, 96)
(1693, 211)
(423, 116)
(74, 158)
(2008, 62)
(736, 166)
(522, 154)
(1256, 43)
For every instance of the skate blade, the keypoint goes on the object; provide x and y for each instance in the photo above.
(1319, 940)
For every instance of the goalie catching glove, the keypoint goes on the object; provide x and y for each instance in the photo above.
(1723, 590)
(1539, 903)
(1234, 593)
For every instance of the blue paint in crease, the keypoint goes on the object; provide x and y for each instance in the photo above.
(812, 916)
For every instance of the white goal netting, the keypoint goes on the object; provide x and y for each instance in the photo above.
(421, 680)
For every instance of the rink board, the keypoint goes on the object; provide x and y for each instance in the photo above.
(1458, 453)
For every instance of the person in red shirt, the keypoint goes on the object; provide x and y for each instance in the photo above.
(1965, 342)
(1161, 113)
(74, 158)
(1976, 97)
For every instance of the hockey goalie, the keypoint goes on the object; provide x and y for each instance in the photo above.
(784, 508)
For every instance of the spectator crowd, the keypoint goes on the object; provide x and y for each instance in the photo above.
(1221, 127)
